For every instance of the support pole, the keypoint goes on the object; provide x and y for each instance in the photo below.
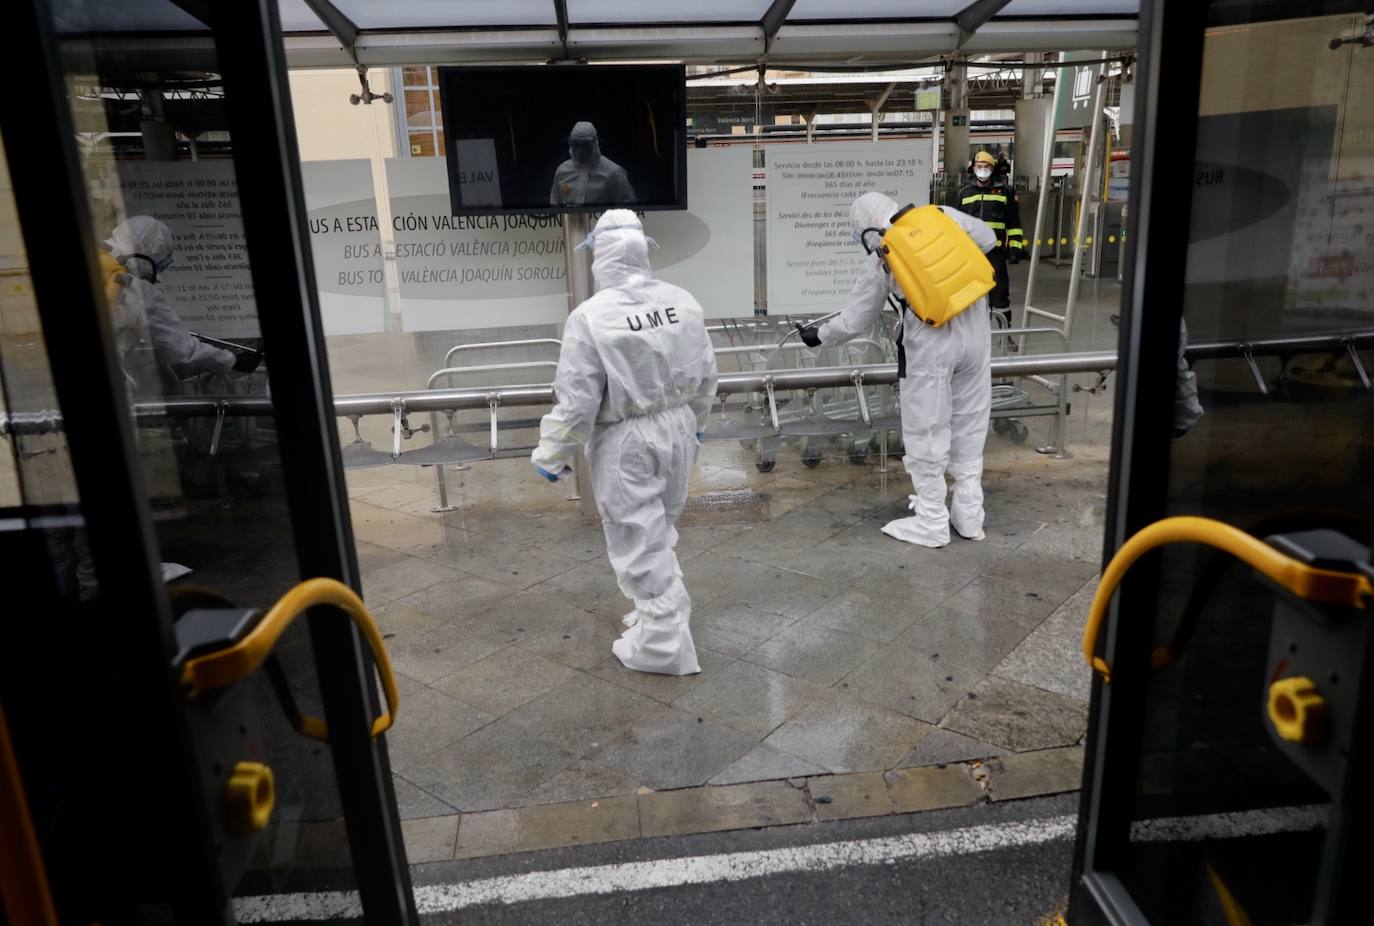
(1040, 202)
(1056, 442)
(576, 226)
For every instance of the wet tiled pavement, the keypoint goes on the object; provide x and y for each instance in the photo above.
(826, 647)
(836, 662)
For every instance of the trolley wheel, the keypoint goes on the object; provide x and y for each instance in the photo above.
(1000, 425)
(765, 465)
(1019, 433)
(811, 458)
(858, 453)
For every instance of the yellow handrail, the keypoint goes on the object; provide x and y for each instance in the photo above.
(229, 665)
(1321, 585)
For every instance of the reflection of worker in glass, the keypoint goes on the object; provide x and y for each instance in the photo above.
(1188, 410)
(588, 177)
(143, 245)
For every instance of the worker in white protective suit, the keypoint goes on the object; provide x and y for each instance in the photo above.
(946, 394)
(143, 245)
(636, 376)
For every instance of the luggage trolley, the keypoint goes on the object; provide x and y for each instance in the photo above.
(811, 417)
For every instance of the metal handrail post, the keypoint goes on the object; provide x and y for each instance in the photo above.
(1056, 443)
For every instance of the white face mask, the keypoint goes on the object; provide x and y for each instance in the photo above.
(982, 173)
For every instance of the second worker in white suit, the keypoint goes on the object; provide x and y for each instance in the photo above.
(636, 376)
(946, 394)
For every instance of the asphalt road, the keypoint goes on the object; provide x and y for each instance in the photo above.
(988, 864)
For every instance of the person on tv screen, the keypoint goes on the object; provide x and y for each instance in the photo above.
(587, 177)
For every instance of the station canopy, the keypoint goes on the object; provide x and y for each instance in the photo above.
(855, 33)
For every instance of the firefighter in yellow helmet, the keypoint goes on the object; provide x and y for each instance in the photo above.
(993, 200)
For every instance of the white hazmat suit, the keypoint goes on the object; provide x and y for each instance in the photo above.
(144, 246)
(946, 395)
(636, 376)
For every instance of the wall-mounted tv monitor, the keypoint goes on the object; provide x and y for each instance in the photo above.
(565, 138)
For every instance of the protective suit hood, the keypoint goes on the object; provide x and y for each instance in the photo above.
(872, 210)
(142, 235)
(620, 249)
(585, 133)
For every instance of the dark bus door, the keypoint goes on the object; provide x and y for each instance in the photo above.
(1228, 756)
(159, 491)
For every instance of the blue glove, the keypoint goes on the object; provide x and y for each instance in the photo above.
(699, 433)
(552, 477)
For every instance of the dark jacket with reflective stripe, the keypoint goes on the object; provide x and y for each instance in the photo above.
(996, 205)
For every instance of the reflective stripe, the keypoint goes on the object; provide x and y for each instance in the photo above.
(984, 198)
(1017, 243)
(995, 224)
(1017, 232)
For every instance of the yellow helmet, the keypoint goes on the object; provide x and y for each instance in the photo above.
(982, 157)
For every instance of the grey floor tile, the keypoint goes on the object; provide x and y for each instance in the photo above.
(371, 556)
(1019, 717)
(917, 578)
(1024, 602)
(456, 599)
(712, 575)
(490, 769)
(520, 565)
(414, 803)
(583, 713)
(840, 566)
(907, 679)
(664, 688)
(814, 653)
(582, 781)
(399, 620)
(944, 746)
(977, 641)
(784, 592)
(867, 537)
(871, 610)
(580, 541)
(428, 656)
(427, 721)
(1030, 563)
(589, 587)
(665, 749)
(749, 698)
(1051, 656)
(765, 545)
(842, 734)
(765, 763)
(577, 639)
(504, 681)
(393, 529)
(1078, 545)
(735, 629)
(694, 541)
(401, 578)
(498, 524)
(813, 521)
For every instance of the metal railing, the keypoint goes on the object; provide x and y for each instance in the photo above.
(400, 404)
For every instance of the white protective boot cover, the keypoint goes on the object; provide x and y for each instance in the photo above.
(661, 640)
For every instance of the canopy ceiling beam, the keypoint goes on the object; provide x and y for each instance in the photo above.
(772, 20)
(338, 24)
(975, 16)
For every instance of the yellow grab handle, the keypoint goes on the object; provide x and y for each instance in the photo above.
(1322, 585)
(229, 665)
